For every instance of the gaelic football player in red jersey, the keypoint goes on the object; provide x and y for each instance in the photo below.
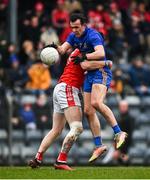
(67, 107)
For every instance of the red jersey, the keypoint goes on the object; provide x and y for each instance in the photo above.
(73, 74)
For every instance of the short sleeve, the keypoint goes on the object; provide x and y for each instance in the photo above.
(96, 39)
(70, 39)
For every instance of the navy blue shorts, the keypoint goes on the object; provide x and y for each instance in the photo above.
(100, 76)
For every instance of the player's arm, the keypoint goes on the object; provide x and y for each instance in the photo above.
(91, 65)
(64, 48)
(99, 53)
(67, 45)
(96, 42)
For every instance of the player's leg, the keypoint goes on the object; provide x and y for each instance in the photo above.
(97, 100)
(92, 118)
(73, 116)
(58, 125)
(95, 127)
(71, 106)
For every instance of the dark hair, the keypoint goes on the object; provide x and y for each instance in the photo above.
(80, 16)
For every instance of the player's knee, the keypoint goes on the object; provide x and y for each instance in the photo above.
(96, 104)
(76, 129)
(88, 111)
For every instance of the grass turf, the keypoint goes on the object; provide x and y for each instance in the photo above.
(79, 173)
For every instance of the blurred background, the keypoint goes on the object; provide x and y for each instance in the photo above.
(26, 85)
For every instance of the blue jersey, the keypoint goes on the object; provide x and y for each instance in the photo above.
(86, 43)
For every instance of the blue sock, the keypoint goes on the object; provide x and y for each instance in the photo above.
(116, 129)
(98, 141)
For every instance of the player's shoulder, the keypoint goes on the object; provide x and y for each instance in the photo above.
(72, 35)
(93, 32)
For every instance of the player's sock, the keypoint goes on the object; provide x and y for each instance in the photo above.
(98, 141)
(116, 129)
(39, 156)
(62, 157)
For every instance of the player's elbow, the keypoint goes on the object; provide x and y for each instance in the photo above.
(61, 50)
(99, 52)
(101, 55)
(85, 65)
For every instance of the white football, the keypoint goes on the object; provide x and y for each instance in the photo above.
(49, 56)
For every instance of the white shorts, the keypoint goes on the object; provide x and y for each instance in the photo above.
(65, 96)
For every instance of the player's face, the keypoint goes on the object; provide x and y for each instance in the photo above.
(77, 27)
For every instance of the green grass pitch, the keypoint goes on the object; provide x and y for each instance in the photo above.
(78, 173)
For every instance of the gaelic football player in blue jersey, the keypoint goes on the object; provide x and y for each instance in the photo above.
(91, 44)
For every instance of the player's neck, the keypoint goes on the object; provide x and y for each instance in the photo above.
(84, 31)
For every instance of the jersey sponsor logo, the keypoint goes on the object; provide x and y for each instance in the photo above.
(85, 46)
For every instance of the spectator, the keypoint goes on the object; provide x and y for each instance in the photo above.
(96, 22)
(27, 115)
(115, 13)
(12, 50)
(127, 124)
(123, 4)
(16, 75)
(139, 74)
(3, 10)
(99, 19)
(144, 15)
(17, 122)
(28, 54)
(135, 38)
(76, 6)
(43, 112)
(39, 8)
(31, 30)
(40, 78)
(60, 17)
(49, 36)
(117, 39)
(105, 16)
(119, 82)
(39, 11)
(132, 7)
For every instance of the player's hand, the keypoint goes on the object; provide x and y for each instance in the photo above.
(78, 59)
(109, 63)
(52, 45)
